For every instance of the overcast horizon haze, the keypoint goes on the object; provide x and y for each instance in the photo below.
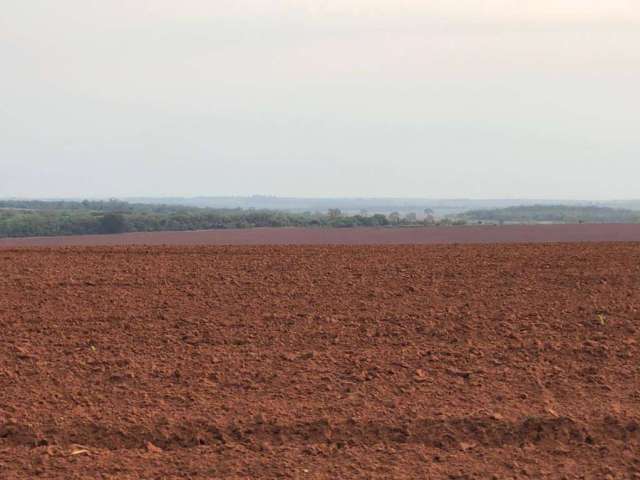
(475, 99)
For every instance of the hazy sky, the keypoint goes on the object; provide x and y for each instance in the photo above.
(445, 98)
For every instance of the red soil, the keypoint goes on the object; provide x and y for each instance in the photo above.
(352, 236)
(517, 361)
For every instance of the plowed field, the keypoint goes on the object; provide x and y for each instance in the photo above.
(494, 361)
(352, 236)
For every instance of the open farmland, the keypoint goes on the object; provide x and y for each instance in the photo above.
(459, 361)
(352, 236)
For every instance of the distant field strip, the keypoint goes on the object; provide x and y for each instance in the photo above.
(352, 236)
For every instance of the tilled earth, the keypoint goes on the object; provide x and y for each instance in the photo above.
(470, 234)
(494, 361)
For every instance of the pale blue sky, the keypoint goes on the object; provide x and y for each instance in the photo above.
(299, 98)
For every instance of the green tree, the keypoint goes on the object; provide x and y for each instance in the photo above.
(334, 213)
(113, 223)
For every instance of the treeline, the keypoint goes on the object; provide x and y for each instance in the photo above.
(552, 214)
(102, 206)
(19, 218)
(23, 218)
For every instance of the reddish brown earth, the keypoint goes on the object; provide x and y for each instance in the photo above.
(352, 236)
(481, 362)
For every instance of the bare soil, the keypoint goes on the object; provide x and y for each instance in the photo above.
(353, 236)
(469, 362)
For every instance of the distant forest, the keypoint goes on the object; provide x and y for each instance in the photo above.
(24, 218)
(552, 214)
(21, 218)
